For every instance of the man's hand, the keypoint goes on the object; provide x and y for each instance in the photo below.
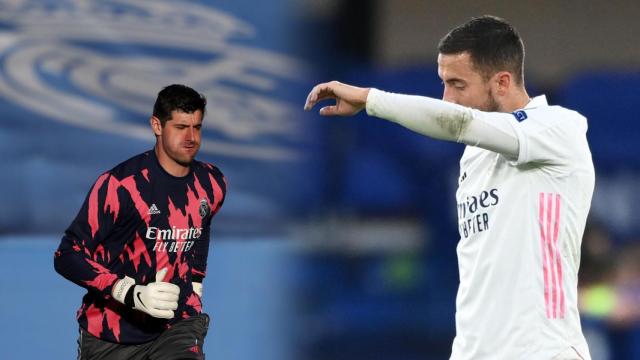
(349, 99)
(157, 299)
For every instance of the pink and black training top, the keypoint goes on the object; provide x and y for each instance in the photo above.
(136, 220)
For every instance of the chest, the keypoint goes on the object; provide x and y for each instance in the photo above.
(481, 170)
(172, 204)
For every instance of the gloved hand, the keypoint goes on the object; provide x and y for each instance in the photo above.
(157, 299)
(197, 288)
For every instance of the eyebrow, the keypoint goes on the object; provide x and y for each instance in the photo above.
(186, 124)
(455, 80)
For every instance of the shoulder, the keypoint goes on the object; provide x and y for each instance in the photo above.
(557, 112)
(205, 167)
(212, 179)
(131, 166)
(544, 117)
(205, 170)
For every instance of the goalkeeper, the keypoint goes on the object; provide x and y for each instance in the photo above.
(139, 244)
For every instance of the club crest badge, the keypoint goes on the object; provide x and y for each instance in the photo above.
(204, 207)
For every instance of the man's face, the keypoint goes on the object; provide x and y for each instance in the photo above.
(464, 84)
(180, 136)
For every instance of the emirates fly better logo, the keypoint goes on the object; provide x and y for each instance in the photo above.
(174, 239)
(99, 64)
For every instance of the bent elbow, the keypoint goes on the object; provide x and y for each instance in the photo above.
(57, 262)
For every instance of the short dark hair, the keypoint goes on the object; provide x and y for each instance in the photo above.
(493, 44)
(178, 97)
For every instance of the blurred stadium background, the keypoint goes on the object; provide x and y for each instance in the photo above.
(337, 239)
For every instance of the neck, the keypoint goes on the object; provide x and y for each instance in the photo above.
(169, 165)
(519, 100)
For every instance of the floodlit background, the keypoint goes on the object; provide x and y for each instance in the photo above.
(337, 239)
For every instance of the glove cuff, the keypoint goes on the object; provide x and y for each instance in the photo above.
(128, 299)
(197, 288)
(122, 288)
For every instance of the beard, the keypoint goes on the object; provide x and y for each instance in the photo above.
(181, 158)
(490, 105)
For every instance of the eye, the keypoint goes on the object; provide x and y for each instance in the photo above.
(456, 84)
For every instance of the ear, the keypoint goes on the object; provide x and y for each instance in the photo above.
(156, 125)
(503, 82)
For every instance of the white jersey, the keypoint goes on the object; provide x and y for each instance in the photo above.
(525, 188)
(521, 224)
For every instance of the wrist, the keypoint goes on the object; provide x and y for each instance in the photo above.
(128, 299)
(370, 101)
(365, 95)
(122, 288)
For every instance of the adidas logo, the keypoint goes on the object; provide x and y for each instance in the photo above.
(153, 210)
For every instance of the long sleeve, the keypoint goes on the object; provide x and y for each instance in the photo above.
(136, 221)
(81, 256)
(201, 251)
(446, 121)
(200, 254)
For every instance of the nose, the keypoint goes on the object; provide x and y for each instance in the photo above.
(190, 134)
(448, 95)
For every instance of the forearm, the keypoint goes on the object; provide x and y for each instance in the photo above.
(73, 261)
(199, 266)
(200, 255)
(80, 257)
(446, 121)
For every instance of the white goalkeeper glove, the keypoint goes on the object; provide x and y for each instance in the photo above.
(157, 299)
(197, 288)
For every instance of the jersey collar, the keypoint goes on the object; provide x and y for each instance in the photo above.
(537, 101)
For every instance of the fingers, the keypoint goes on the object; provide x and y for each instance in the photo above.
(319, 93)
(166, 288)
(163, 314)
(349, 99)
(312, 98)
(165, 296)
(165, 305)
(164, 299)
(329, 110)
(161, 274)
